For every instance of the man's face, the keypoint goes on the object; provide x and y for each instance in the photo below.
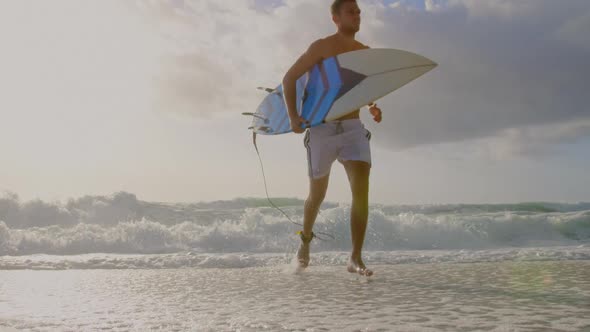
(349, 18)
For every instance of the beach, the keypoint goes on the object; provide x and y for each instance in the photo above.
(487, 296)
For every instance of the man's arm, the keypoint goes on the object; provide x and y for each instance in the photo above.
(373, 108)
(363, 46)
(306, 61)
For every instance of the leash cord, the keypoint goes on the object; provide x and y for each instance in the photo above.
(268, 197)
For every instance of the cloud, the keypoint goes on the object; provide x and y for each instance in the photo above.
(576, 31)
(503, 65)
(500, 68)
(219, 52)
(535, 141)
(499, 8)
(431, 5)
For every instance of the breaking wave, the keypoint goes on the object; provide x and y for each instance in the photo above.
(122, 224)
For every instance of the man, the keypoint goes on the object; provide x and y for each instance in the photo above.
(345, 139)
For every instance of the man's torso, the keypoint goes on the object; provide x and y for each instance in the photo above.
(332, 46)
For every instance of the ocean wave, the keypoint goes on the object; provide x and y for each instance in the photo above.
(122, 224)
(123, 206)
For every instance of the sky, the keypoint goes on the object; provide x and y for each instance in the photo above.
(146, 97)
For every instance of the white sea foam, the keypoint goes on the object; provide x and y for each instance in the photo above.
(124, 225)
(286, 260)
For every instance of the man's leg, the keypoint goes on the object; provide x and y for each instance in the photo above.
(358, 176)
(317, 192)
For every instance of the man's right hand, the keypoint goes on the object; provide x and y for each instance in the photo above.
(298, 124)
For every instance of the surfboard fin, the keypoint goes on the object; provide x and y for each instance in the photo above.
(269, 90)
(265, 129)
(256, 116)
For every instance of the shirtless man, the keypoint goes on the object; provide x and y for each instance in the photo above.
(345, 138)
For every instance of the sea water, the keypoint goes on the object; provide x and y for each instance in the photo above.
(117, 263)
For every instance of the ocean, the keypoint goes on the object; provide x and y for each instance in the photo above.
(117, 263)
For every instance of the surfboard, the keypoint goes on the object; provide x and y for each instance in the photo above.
(338, 86)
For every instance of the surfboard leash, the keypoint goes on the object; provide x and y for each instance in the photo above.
(268, 197)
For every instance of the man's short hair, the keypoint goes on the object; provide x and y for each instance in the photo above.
(337, 4)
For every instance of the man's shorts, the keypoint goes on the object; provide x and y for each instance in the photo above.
(340, 139)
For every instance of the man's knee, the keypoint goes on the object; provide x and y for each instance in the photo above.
(317, 190)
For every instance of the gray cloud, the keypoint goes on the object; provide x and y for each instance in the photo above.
(504, 66)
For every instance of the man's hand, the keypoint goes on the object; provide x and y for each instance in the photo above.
(296, 124)
(375, 112)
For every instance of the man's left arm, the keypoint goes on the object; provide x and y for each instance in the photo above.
(373, 108)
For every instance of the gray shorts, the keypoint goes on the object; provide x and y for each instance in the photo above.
(339, 139)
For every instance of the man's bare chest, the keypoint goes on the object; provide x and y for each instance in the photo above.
(333, 50)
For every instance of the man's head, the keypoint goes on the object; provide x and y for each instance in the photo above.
(347, 15)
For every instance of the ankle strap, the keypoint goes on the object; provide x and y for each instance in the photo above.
(304, 239)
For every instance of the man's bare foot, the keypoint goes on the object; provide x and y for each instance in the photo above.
(303, 252)
(356, 265)
(303, 255)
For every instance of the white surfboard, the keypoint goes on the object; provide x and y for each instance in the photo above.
(340, 85)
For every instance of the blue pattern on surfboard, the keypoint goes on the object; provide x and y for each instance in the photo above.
(332, 75)
(315, 92)
(323, 81)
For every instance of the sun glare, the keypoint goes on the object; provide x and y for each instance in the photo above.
(67, 54)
